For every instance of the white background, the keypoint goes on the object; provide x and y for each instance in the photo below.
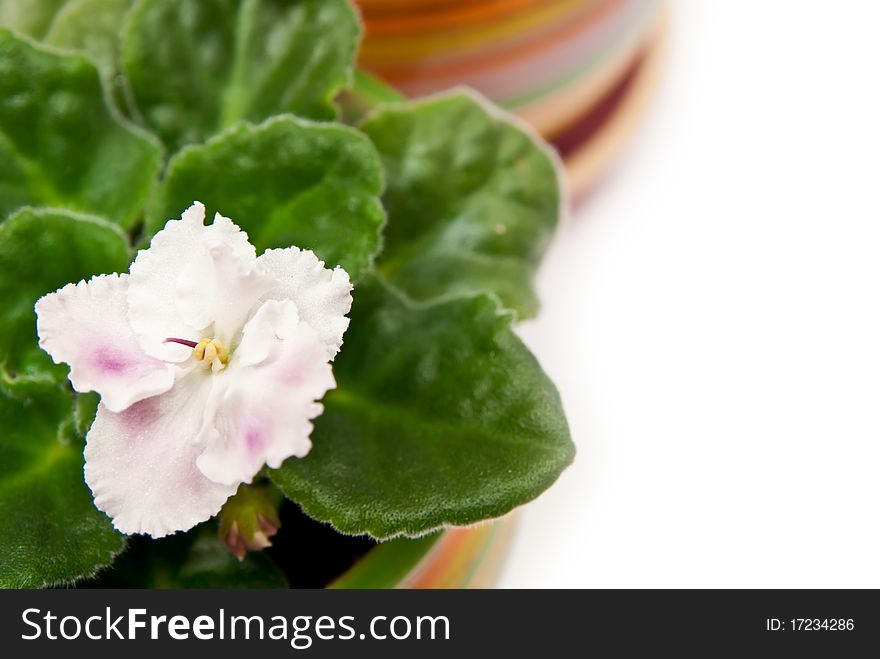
(712, 319)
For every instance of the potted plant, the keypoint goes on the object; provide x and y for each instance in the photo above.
(329, 367)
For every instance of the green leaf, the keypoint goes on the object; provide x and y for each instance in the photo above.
(52, 532)
(41, 250)
(196, 559)
(85, 408)
(31, 17)
(60, 145)
(365, 93)
(442, 416)
(198, 66)
(472, 199)
(92, 27)
(286, 182)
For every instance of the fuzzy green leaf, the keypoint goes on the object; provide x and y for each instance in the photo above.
(52, 532)
(365, 93)
(198, 66)
(472, 199)
(60, 145)
(442, 416)
(196, 559)
(286, 182)
(30, 17)
(41, 251)
(92, 27)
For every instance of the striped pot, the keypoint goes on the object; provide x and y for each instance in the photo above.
(579, 71)
(456, 558)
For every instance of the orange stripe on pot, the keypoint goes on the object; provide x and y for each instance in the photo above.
(461, 41)
(382, 24)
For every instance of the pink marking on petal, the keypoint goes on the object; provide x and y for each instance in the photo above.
(141, 415)
(254, 440)
(299, 369)
(111, 361)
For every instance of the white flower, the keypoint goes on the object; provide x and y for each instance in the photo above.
(209, 362)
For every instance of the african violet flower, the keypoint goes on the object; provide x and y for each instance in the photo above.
(209, 361)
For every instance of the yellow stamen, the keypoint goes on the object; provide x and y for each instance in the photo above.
(209, 351)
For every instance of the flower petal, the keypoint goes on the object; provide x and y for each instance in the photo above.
(141, 463)
(272, 322)
(180, 258)
(262, 412)
(86, 326)
(225, 296)
(322, 296)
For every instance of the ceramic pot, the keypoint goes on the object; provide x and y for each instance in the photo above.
(578, 71)
(468, 557)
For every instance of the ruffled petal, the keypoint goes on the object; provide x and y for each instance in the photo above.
(322, 296)
(141, 463)
(86, 326)
(224, 297)
(273, 322)
(261, 412)
(179, 259)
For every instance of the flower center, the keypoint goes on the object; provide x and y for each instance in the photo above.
(209, 351)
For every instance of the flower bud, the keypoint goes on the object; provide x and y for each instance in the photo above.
(250, 518)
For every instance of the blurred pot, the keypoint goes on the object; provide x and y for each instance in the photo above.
(578, 71)
(455, 558)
